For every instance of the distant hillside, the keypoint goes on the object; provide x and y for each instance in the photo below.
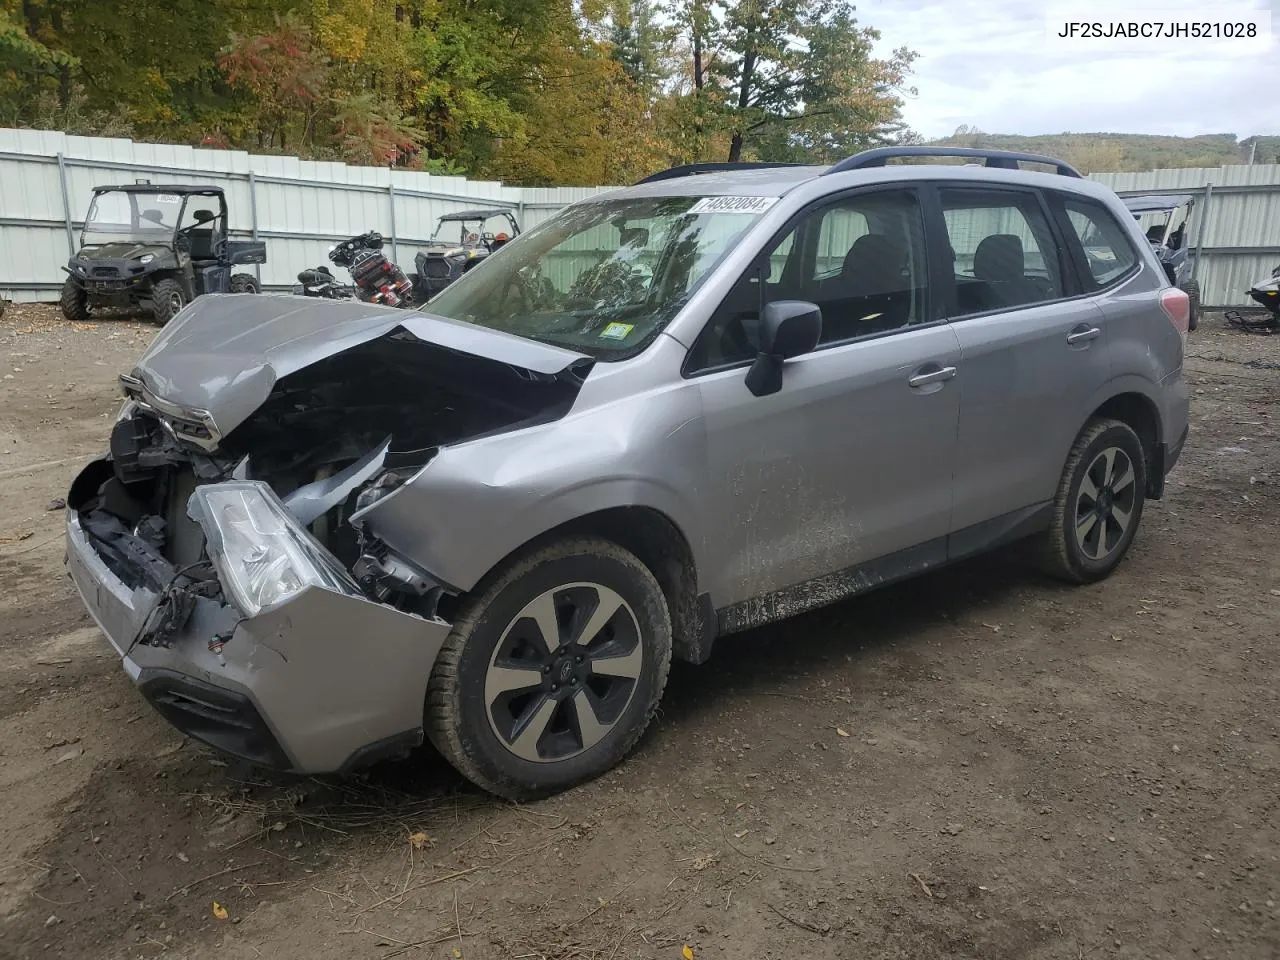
(1104, 152)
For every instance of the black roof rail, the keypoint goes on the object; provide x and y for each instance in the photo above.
(1002, 159)
(693, 169)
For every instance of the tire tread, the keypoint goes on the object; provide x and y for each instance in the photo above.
(1055, 559)
(442, 720)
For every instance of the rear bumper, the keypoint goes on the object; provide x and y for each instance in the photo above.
(321, 683)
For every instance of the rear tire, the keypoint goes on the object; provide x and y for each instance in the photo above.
(1192, 290)
(1098, 504)
(244, 283)
(525, 718)
(74, 302)
(167, 298)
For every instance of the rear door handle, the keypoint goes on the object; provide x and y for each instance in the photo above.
(931, 376)
(1083, 336)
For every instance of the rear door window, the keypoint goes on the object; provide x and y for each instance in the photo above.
(1005, 254)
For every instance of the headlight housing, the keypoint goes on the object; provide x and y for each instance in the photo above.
(127, 411)
(262, 555)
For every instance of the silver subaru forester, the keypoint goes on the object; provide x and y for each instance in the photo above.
(328, 531)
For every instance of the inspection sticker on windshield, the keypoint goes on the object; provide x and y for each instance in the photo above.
(617, 331)
(733, 204)
(168, 198)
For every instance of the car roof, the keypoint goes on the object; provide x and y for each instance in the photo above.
(1152, 203)
(778, 181)
(179, 188)
(484, 214)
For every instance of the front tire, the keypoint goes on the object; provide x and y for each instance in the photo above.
(244, 283)
(74, 301)
(552, 671)
(167, 298)
(1098, 505)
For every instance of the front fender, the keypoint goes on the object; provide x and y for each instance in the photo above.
(477, 503)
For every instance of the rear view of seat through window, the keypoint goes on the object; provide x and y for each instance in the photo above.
(1000, 263)
(999, 241)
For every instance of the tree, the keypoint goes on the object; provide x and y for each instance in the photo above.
(807, 66)
(283, 73)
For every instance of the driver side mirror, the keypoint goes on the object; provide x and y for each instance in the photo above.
(788, 328)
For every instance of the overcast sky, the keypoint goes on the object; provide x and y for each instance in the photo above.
(986, 63)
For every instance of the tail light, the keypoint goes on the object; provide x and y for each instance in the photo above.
(1177, 307)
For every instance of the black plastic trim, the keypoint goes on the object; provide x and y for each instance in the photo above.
(395, 747)
(997, 159)
(998, 531)
(223, 719)
(694, 169)
(882, 571)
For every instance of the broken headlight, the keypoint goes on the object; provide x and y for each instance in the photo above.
(262, 556)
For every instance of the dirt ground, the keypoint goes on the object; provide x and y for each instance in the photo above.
(978, 764)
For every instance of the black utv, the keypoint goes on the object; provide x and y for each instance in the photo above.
(156, 247)
(1168, 219)
(459, 242)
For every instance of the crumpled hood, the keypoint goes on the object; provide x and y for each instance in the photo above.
(224, 353)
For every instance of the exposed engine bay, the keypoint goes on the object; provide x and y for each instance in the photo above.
(330, 440)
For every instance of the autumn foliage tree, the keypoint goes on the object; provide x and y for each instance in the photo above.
(533, 91)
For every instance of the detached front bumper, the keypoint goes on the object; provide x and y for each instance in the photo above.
(325, 681)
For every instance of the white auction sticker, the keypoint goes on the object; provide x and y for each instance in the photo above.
(733, 204)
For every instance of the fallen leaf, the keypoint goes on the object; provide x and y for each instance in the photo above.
(219, 910)
(183, 857)
(843, 733)
(701, 863)
(1275, 593)
(71, 754)
(740, 834)
(419, 840)
(457, 954)
(687, 952)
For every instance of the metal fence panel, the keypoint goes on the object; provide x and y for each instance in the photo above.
(1240, 243)
(300, 207)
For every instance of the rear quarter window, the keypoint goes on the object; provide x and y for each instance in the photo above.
(1105, 246)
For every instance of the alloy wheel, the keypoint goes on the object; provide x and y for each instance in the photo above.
(564, 672)
(1105, 504)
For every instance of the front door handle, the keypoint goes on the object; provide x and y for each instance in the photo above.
(923, 379)
(1083, 336)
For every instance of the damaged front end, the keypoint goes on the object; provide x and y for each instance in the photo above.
(219, 544)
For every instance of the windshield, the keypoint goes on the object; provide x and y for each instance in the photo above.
(601, 278)
(142, 217)
(461, 231)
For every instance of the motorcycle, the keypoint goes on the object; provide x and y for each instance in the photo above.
(375, 278)
(320, 282)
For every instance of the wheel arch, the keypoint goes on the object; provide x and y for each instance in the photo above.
(659, 543)
(1141, 413)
